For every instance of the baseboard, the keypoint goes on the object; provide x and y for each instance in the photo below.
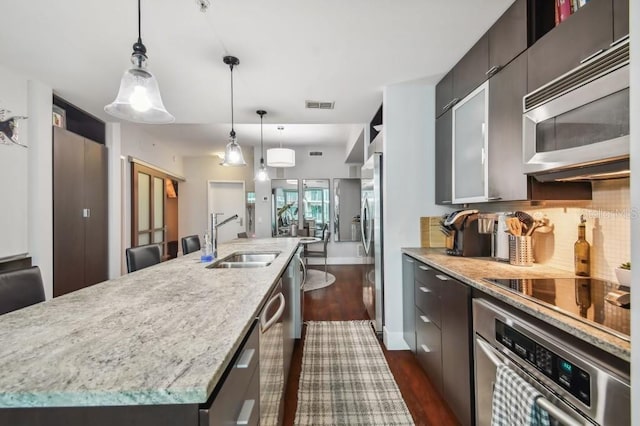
(394, 340)
(338, 261)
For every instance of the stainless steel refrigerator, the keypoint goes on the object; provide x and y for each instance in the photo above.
(371, 223)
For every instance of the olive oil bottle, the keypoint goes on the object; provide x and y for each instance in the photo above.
(581, 251)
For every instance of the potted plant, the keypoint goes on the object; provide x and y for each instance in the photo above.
(623, 274)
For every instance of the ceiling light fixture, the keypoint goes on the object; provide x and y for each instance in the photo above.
(232, 152)
(281, 157)
(139, 98)
(261, 175)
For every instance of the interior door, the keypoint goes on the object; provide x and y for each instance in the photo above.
(226, 199)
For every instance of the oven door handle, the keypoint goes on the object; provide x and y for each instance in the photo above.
(542, 402)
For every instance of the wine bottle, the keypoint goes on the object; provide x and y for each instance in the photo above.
(581, 251)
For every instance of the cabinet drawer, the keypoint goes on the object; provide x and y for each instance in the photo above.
(424, 273)
(429, 349)
(242, 384)
(427, 296)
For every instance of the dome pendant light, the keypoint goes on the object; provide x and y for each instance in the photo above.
(261, 175)
(139, 98)
(281, 157)
(232, 152)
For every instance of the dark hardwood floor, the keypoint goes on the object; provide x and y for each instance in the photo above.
(342, 301)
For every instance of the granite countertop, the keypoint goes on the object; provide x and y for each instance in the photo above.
(161, 335)
(472, 270)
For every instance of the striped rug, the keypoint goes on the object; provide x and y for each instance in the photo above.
(345, 379)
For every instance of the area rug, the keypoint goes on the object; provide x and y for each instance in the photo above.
(345, 379)
(316, 280)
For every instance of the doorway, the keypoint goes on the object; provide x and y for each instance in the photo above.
(225, 199)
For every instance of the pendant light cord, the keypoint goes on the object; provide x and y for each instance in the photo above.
(233, 132)
(139, 34)
(261, 147)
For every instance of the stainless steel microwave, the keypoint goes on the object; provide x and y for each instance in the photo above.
(580, 121)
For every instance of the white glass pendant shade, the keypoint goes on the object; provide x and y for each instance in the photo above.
(233, 154)
(139, 98)
(281, 157)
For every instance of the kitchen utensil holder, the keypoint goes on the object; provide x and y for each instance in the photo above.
(520, 250)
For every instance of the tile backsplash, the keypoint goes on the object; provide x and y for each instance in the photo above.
(608, 216)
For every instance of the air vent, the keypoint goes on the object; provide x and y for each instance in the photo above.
(319, 105)
(315, 153)
(612, 59)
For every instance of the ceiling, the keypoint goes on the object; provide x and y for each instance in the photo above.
(289, 50)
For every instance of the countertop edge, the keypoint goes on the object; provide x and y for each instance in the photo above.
(595, 337)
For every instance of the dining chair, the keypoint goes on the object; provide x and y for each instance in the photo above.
(143, 256)
(190, 244)
(319, 253)
(20, 288)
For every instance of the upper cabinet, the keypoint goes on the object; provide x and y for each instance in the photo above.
(579, 37)
(506, 39)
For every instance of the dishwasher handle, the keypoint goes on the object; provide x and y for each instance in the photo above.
(304, 272)
(545, 404)
(265, 324)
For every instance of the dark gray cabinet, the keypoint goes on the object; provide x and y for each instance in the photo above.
(443, 158)
(508, 36)
(80, 222)
(620, 19)
(456, 349)
(507, 181)
(583, 34)
(442, 326)
(408, 303)
(444, 94)
(470, 71)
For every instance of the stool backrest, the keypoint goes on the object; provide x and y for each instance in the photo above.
(19, 289)
(143, 256)
(190, 244)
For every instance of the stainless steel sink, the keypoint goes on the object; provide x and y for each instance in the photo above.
(259, 259)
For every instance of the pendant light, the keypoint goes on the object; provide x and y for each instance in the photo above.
(281, 157)
(232, 153)
(139, 98)
(261, 175)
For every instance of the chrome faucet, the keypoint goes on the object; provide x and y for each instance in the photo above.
(214, 229)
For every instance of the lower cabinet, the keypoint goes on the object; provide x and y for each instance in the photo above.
(443, 331)
(408, 304)
(238, 399)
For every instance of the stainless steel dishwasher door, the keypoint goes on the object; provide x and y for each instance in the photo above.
(272, 359)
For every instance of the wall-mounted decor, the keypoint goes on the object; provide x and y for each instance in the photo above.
(59, 117)
(9, 128)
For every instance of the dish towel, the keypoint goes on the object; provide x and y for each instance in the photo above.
(514, 401)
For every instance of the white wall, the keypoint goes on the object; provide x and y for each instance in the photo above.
(635, 203)
(330, 165)
(192, 194)
(408, 188)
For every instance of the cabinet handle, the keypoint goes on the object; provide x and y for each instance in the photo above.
(304, 272)
(442, 277)
(425, 348)
(424, 268)
(494, 198)
(424, 289)
(593, 55)
(482, 152)
(445, 202)
(266, 325)
(245, 412)
(491, 71)
(245, 358)
(86, 213)
(451, 103)
(620, 40)
(425, 319)
(409, 261)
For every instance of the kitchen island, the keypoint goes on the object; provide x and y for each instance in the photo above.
(162, 336)
(471, 271)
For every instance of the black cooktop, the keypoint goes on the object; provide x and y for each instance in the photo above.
(598, 303)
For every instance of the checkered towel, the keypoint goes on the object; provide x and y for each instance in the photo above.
(514, 401)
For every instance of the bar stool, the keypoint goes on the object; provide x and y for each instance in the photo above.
(19, 289)
(319, 253)
(190, 244)
(143, 256)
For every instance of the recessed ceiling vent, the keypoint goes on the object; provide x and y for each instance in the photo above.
(319, 105)
(315, 153)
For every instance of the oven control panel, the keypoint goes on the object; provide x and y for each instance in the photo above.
(561, 371)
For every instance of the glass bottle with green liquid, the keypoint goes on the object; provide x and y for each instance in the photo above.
(581, 251)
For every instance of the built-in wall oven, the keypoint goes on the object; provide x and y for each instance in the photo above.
(577, 126)
(576, 387)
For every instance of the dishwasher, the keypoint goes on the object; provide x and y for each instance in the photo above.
(272, 358)
(576, 388)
